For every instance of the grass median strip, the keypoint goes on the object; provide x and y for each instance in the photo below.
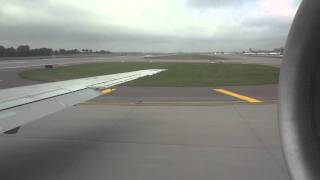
(239, 96)
(178, 74)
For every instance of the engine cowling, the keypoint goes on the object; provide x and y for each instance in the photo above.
(300, 94)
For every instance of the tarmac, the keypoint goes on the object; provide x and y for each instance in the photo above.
(148, 142)
(124, 95)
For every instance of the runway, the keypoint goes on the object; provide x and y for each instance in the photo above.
(31, 62)
(151, 133)
(35, 62)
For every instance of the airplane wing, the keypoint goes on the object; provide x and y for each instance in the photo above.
(21, 105)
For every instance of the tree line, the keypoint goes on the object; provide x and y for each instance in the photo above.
(25, 50)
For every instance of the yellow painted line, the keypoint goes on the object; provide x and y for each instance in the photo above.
(239, 96)
(107, 91)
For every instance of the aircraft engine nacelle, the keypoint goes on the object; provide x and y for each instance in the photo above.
(300, 94)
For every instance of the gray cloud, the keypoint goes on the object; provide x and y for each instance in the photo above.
(59, 36)
(68, 27)
(216, 3)
(256, 34)
(266, 33)
(269, 27)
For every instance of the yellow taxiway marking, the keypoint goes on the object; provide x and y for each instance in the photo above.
(239, 96)
(107, 91)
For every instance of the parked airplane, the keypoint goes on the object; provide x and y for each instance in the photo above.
(21, 105)
(276, 52)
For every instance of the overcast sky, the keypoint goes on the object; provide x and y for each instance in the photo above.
(147, 25)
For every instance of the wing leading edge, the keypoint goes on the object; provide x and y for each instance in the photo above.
(21, 105)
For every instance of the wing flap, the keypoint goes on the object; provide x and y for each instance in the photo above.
(21, 115)
(31, 98)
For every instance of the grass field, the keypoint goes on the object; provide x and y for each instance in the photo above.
(187, 57)
(178, 74)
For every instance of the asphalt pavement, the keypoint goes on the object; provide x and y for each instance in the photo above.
(9, 78)
(147, 142)
(124, 95)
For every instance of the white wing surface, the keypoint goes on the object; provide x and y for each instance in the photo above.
(22, 105)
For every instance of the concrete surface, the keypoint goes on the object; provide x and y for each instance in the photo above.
(142, 142)
(272, 61)
(10, 78)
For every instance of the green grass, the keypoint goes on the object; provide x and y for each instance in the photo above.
(186, 57)
(178, 74)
